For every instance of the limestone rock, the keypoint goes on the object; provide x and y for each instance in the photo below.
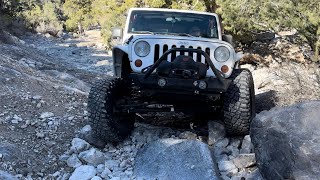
(216, 132)
(246, 146)
(73, 161)
(227, 167)
(93, 156)
(286, 141)
(79, 144)
(244, 160)
(46, 115)
(255, 175)
(84, 172)
(188, 135)
(175, 159)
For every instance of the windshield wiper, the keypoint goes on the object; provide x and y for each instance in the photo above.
(176, 34)
(142, 32)
(185, 34)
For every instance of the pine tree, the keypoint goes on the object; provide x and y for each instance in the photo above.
(78, 13)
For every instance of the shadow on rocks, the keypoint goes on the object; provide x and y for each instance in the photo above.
(266, 100)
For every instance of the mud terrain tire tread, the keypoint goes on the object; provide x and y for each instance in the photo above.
(106, 125)
(239, 103)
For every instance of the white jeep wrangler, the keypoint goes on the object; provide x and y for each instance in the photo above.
(171, 60)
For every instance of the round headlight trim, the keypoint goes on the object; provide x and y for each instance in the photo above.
(222, 54)
(142, 48)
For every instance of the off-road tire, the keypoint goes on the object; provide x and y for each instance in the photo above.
(239, 103)
(108, 126)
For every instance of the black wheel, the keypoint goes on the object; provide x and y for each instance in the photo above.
(239, 103)
(107, 124)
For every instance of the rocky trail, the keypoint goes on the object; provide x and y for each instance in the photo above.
(44, 83)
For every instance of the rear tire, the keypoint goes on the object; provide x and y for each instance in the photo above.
(107, 125)
(239, 103)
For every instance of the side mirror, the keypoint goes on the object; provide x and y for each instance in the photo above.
(117, 33)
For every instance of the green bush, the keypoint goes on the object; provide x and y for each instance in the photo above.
(78, 14)
(241, 18)
(43, 19)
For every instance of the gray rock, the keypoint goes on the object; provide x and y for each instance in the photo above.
(16, 117)
(112, 164)
(10, 152)
(96, 178)
(37, 97)
(255, 175)
(73, 161)
(115, 178)
(222, 143)
(222, 157)
(286, 141)
(86, 129)
(100, 168)
(175, 159)
(233, 151)
(79, 144)
(246, 146)
(93, 156)
(65, 176)
(64, 157)
(123, 164)
(14, 121)
(235, 142)
(218, 152)
(187, 135)
(6, 176)
(83, 172)
(56, 174)
(216, 132)
(240, 176)
(227, 167)
(40, 135)
(105, 174)
(46, 115)
(225, 177)
(244, 160)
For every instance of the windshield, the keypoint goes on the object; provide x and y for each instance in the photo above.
(173, 23)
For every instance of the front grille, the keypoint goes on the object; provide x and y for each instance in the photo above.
(161, 49)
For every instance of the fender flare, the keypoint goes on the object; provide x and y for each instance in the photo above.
(117, 55)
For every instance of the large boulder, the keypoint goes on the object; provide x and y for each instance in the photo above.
(287, 141)
(175, 159)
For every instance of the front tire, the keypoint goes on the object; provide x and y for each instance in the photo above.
(239, 103)
(104, 98)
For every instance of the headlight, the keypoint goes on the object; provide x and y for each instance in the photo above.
(222, 54)
(142, 48)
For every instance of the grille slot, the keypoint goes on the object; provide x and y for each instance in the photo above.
(173, 54)
(190, 53)
(159, 50)
(156, 52)
(199, 56)
(182, 52)
(208, 52)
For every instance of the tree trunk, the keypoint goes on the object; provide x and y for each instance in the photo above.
(211, 5)
(80, 28)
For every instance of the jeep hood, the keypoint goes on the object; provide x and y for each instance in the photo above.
(179, 38)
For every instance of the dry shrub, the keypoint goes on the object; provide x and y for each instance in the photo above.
(53, 28)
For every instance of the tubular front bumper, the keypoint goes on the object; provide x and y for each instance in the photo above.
(148, 81)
